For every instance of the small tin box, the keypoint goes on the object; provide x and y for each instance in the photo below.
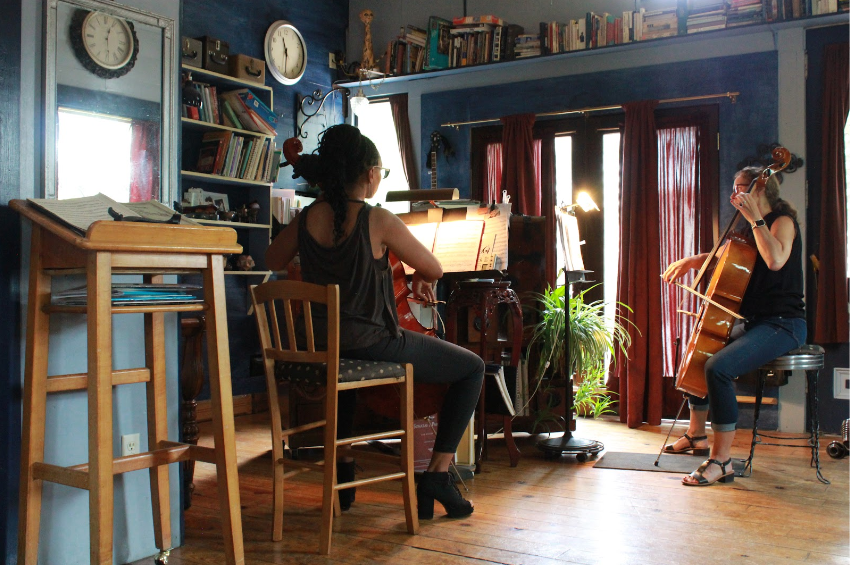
(248, 68)
(216, 54)
(191, 52)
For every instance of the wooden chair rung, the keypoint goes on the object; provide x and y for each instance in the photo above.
(370, 437)
(371, 480)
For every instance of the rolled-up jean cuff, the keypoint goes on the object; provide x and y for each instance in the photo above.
(723, 427)
(698, 407)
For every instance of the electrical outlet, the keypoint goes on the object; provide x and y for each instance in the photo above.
(129, 444)
(841, 383)
(331, 60)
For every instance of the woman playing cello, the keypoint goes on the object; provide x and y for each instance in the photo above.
(775, 322)
(343, 240)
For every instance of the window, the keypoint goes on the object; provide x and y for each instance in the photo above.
(93, 154)
(376, 122)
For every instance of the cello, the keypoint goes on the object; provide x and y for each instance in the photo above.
(427, 398)
(725, 291)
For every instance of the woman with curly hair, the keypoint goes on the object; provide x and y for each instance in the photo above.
(343, 240)
(775, 321)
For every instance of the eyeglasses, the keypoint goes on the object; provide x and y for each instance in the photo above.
(385, 172)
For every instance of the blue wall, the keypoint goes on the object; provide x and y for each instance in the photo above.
(323, 24)
(750, 121)
(10, 292)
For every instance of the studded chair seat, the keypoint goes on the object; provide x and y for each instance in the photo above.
(350, 370)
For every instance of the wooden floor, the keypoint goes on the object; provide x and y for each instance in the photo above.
(548, 512)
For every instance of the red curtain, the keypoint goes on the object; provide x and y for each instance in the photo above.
(401, 120)
(518, 160)
(638, 379)
(678, 167)
(831, 321)
(144, 161)
(493, 173)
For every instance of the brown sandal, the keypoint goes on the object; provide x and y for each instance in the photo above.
(699, 474)
(700, 451)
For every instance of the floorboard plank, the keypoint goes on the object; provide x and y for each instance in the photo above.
(546, 512)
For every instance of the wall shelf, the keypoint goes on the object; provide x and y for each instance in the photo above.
(224, 80)
(234, 225)
(218, 179)
(719, 34)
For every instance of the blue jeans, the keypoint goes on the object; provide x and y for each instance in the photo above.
(434, 361)
(762, 341)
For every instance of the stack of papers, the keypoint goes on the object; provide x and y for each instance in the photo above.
(130, 294)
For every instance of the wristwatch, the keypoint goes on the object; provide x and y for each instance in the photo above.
(759, 223)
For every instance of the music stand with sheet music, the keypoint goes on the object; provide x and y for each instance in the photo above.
(574, 272)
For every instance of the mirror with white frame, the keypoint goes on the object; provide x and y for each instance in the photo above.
(109, 93)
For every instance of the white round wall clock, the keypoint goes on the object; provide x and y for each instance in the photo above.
(286, 52)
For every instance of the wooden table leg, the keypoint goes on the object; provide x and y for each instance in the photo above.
(157, 420)
(191, 383)
(34, 404)
(99, 321)
(221, 400)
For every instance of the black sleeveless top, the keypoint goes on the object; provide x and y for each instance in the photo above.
(777, 293)
(367, 299)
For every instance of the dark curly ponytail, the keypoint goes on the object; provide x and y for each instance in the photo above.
(344, 155)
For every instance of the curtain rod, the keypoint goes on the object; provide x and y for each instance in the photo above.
(733, 96)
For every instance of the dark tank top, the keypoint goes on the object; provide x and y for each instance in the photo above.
(367, 299)
(776, 293)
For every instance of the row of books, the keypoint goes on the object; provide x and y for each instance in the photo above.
(227, 154)
(240, 109)
(473, 40)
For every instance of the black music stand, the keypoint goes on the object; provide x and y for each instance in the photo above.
(556, 446)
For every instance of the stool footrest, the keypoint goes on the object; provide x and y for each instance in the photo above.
(80, 381)
(78, 475)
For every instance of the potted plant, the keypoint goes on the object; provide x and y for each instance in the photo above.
(591, 337)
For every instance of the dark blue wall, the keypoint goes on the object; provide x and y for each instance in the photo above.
(750, 121)
(243, 26)
(10, 272)
(832, 411)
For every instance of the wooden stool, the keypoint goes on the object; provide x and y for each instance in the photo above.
(480, 301)
(807, 358)
(110, 248)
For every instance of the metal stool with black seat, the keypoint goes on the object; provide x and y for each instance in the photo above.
(319, 365)
(807, 358)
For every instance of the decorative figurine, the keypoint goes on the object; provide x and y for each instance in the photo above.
(243, 214)
(368, 62)
(253, 212)
(244, 263)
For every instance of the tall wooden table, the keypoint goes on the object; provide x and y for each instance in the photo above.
(108, 248)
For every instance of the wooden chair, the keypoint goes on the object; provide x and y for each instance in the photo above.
(317, 365)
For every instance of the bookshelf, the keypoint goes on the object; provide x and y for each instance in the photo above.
(670, 41)
(254, 237)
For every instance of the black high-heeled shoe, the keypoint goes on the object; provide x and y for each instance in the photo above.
(440, 487)
(345, 474)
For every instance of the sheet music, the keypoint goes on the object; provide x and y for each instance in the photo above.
(80, 213)
(458, 244)
(496, 232)
(425, 233)
(569, 240)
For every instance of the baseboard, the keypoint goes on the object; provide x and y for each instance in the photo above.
(242, 404)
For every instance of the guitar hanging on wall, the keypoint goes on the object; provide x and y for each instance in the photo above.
(438, 141)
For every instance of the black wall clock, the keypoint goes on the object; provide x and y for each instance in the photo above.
(104, 44)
